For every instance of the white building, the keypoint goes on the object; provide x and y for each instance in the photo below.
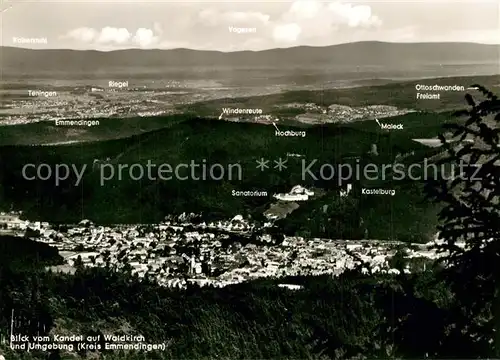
(298, 193)
(291, 286)
(10, 221)
(238, 218)
(347, 191)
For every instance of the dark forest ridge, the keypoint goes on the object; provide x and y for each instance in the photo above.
(342, 57)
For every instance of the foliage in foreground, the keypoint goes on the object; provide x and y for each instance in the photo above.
(471, 214)
(350, 316)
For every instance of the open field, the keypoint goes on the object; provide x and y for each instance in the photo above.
(399, 94)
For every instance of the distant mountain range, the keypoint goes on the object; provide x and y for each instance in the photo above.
(349, 56)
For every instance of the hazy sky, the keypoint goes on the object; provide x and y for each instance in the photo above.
(113, 24)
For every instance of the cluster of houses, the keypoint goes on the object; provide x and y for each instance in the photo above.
(180, 251)
(343, 113)
(336, 113)
(12, 222)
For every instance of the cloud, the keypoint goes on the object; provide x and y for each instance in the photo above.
(327, 13)
(317, 19)
(211, 17)
(354, 15)
(301, 21)
(286, 33)
(111, 35)
(107, 35)
(304, 9)
(82, 34)
(143, 37)
(312, 22)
